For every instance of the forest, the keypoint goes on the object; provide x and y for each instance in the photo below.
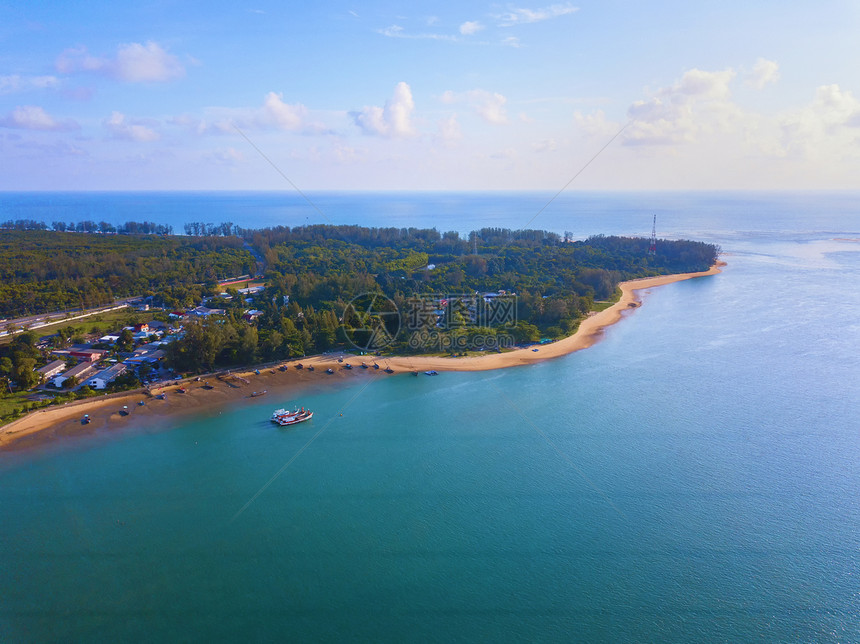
(520, 285)
(46, 271)
(313, 273)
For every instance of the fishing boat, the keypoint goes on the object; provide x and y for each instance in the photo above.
(182, 390)
(161, 396)
(388, 370)
(86, 420)
(300, 366)
(329, 370)
(347, 366)
(258, 393)
(431, 373)
(285, 417)
(375, 366)
(310, 368)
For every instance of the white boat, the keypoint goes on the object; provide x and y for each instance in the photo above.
(285, 417)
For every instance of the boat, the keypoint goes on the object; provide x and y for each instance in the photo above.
(182, 390)
(124, 411)
(432, 372)
(347, 366)
(161, 396)
(329, 370)
(300, 366)
(283, 367)
(141, 404)
(375, 366)
(258, 393)
(86, 420)
(388, 370)
(285, 417)
(363, 366)
(310, 367)
(414, 373)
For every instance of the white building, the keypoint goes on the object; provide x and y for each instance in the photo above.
(102, 379)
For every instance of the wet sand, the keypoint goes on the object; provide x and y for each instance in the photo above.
(212, 392)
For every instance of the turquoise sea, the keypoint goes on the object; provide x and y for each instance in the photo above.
(694, 477)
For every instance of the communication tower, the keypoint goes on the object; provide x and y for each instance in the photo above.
(652, 248)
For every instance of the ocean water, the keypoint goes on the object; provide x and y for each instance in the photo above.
(692, 477)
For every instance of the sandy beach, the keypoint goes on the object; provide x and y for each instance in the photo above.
(112, 413)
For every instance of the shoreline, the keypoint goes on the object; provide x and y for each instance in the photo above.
(215, 390)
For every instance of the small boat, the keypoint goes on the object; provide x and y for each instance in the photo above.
(284, 417)
(197, 379)
(414, 373)
(535, 350)
(124, 411)
(340, 359)
(363, 366)
(347, 366)
(432, 372)
(141, 403)
(161, 396)
(300, 366)
(283, 367)
(257, 371)
(206, 385)
(329, 370)
(258, 393)
(388, 370)
(182, 390)
(86, 420)
(310, 367)
(375, 366)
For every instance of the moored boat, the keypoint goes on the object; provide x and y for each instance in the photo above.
(284, 417)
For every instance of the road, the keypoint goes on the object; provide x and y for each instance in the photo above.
(33, 322)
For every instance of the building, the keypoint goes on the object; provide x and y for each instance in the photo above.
(79, 371)
(88, 355)
(52, 369)
(141, 327)
(252, 315)
(102, 379)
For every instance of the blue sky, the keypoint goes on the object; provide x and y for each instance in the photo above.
(429, 96)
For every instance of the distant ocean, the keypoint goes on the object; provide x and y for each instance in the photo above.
(694, 477)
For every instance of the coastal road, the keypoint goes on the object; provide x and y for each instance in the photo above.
(31, 322)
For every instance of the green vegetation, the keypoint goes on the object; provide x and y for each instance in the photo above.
(45, 271)
(312, 275)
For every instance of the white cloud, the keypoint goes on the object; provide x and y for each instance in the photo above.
(470, 27)
(273, 114)
(122, 128)
(396, 31)
(489, 106)
(33, 117)
(516, 16)
(14, 83)
(512, 41)
(823, 130)
(133, 63)
(547, 145)
(282, 115)
(227, 156)
(449, 131)
(596, 123)
(700, 102)
(394, 120)
(764, 72)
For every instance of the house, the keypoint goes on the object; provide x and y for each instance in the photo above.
(88, 355)
(52, 369)
(203, 311)
(79, 371)
(109, 339)
(141, 327)
(147, 357)
(176, 315)
(102, 379)
(252, 315)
